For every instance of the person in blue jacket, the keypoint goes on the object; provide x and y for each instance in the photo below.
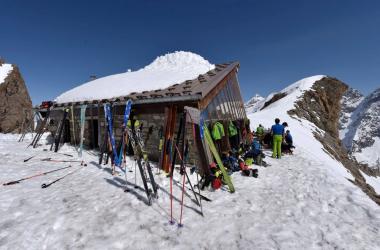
(287, 146)
(288, 138)
(277, 131)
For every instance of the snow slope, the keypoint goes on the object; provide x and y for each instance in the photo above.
(5, 69)
(296, 203)
(301, 129)
(163, 72)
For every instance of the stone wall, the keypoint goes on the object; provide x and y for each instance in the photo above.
(151, 126)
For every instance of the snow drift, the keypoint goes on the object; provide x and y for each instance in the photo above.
(163, 72)
(5, 69)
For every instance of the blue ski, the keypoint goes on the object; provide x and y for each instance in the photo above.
(108, 115)
(128, 107)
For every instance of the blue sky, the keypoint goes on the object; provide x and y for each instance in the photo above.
(59, 44)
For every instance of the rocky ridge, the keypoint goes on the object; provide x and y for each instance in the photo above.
(15, 102)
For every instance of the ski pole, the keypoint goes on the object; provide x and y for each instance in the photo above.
(183, 171)
(36, 175)
(44, 185)
(52, 160)
(135, 174)
(183, 192)
(27, 159)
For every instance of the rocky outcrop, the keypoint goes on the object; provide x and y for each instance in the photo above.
(321, 105)
(349, 103)
(15, 102)
(275, 98)
(359, 126)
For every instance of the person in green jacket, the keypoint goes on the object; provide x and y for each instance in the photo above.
(260, 133)
(277, 132)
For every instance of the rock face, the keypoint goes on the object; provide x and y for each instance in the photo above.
(366, 131)
(322, 106)
(15, 102)
(360, 126)
(349, 103)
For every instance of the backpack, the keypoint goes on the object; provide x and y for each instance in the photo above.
(256, 147)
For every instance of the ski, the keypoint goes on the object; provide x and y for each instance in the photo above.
(103, 149)
(57, 139)
(108, 116)
(128, 107)
(43, 125)
(141, 144)
(210, 143)
(33, 176)
(134, 135)
(82, 123)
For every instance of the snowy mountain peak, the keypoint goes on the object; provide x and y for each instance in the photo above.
(254, 104)
(163, 72)
(286, 97)
(179, 60)
(303, 84)
(256, 98)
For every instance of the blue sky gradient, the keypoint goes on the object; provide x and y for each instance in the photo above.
(59, 44)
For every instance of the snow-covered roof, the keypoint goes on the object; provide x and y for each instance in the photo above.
(5, 69)
(163, 72)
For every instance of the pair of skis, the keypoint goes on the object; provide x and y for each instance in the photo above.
(134, 135)
(28, 125)
(59, 132)
(41, 128)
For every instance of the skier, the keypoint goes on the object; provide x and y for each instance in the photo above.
(277, 131)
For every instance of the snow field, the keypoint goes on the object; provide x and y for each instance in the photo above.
(294, 204)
